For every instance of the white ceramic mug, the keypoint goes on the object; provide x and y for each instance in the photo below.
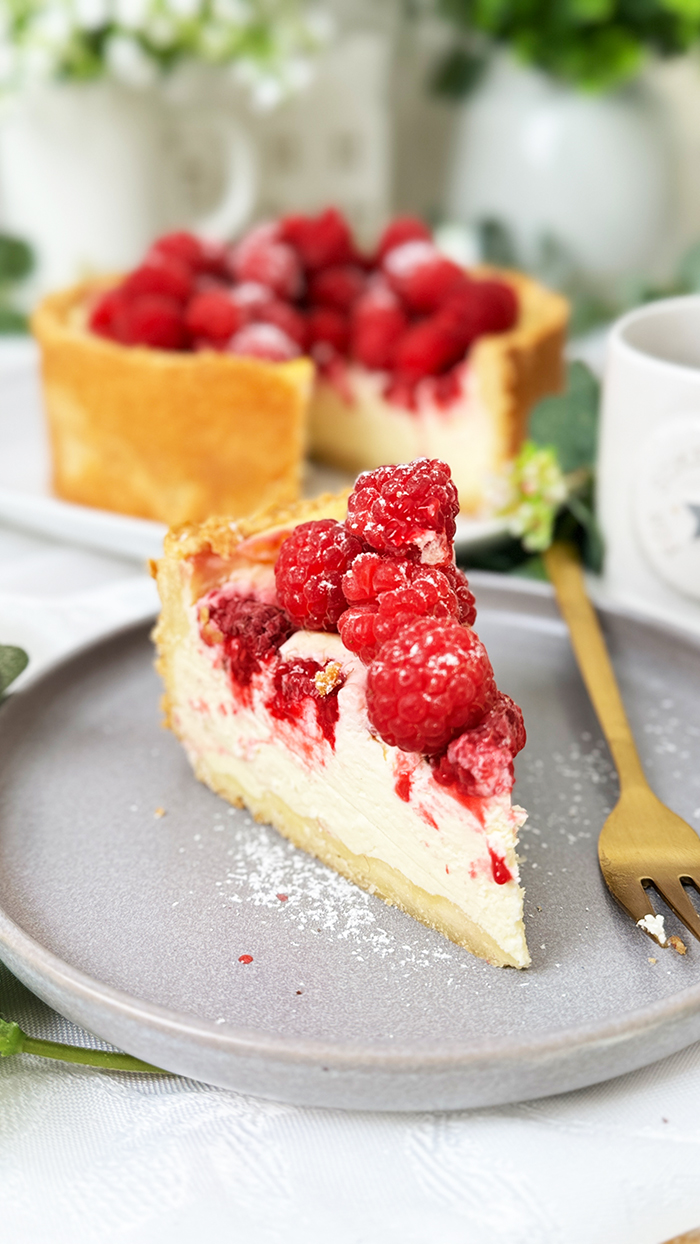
(649, 460)
(91, 174)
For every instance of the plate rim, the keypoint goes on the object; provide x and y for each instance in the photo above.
(32, 957)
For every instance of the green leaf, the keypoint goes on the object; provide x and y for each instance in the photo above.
(496, 243)
(12, 662)
(16, 258)
(12, 321)
(457, 74)
(569, 421)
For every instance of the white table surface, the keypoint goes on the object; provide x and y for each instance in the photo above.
(89, 1156)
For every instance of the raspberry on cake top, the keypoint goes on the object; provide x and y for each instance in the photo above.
(321, 667)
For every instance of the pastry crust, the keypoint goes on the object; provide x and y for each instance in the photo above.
(165, 435)
(507, 374)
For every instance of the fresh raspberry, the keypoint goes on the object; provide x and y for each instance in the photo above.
(365, 628)
(295, 686)
(465, 597)
(251, 297)
(376, 333)
(371, 574)
(480, 761)
(421, 276)
(406, 509)
(478, 308)
(155, 321)
(106, 317)
(184, 247)
(291, 321)
(213, 316)
(427, 349)
(309, 572)
(261, 257)
(431, 682)
(402, 229)
(160, 275)
(207, 283)
(327, 327)
(251, 632)
(378, 321)
(338, 287)
(321, 241)
(264, 341)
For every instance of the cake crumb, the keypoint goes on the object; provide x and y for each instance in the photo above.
(327, 679)
(652, 961)
(159, 812)
(679, 946)
(654, 925)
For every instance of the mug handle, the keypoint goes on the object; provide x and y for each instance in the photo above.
(238, 199)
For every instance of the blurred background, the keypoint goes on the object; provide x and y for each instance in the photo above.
(561, 136)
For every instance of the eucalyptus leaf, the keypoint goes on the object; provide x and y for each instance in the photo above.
(12, 662)
(568, 421)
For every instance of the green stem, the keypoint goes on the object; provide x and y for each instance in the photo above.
(14, 1041)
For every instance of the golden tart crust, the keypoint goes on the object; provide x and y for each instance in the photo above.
(164, 435)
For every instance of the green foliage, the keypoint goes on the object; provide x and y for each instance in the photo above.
(553, 479)
(569, 421)
(16, 259)
(16, 263)
(592, 44)
(12, 662)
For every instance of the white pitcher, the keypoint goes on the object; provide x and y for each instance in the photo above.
(595, 171)
(90, 174)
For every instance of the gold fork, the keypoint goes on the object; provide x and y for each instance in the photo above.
(642, 843)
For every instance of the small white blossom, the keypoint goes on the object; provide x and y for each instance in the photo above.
(131, 14)
(129, 63)
(92, 14)
(140, 40)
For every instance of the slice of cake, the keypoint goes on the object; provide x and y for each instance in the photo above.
(321, 669)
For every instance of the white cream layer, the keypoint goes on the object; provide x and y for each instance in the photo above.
(373, 431)
(434, 840)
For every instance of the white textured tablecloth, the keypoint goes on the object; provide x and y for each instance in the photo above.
(89, 1156)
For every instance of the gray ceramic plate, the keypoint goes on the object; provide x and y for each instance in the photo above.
(133, 925)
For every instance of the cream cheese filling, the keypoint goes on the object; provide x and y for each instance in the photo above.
(436, 841)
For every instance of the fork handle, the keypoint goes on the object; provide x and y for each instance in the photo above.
(566, 574)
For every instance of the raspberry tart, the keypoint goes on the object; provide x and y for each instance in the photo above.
(181, 389)
(321, 668)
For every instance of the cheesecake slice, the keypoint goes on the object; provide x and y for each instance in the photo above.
(321, 669)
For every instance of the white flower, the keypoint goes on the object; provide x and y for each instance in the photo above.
(129, 63)
(52, 27)
(184, 8)
(132, 14)
(91, 14)
(161, 31)
(238, 12)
